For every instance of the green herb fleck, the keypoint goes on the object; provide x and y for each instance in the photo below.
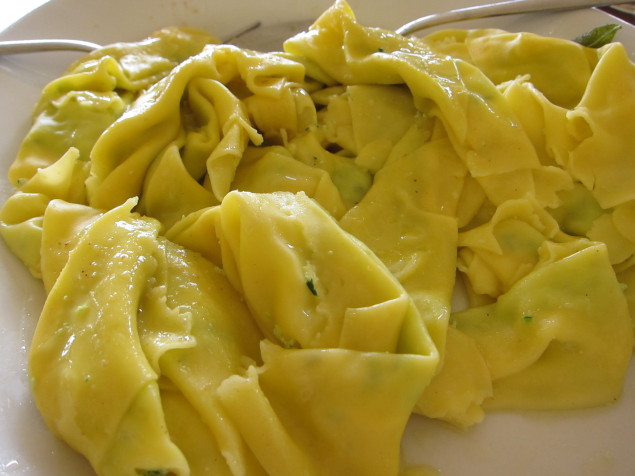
(153, 472)
(81, 309)
(381, 50)
(527, 318)
(286, 342)
(598, 36)
(311, 286)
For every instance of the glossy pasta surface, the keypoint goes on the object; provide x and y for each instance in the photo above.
(250, 258)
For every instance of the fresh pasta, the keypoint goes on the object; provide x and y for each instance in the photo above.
(250, 258)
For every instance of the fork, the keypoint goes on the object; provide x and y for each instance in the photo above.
(280, 32)
(510, 7)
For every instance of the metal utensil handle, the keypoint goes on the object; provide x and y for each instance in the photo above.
(509, 7)
(35, 46)
(31, 46)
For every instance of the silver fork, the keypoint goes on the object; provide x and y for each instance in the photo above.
(510, 7)
(255, 37)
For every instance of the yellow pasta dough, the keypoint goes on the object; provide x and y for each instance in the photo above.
(252, 259)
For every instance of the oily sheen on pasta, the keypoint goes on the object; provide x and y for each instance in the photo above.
(250, 258)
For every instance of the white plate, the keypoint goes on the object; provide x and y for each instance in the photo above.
(594, 442)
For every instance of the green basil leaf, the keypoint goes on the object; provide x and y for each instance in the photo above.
(598, 36)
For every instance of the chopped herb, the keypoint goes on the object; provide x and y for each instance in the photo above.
(527, 318)
(311, 286)
(286, 342)
(153, 472)
(381, 50)
(81, 309)
(598, 36)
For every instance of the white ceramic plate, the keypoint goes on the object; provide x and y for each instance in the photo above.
(597, 442)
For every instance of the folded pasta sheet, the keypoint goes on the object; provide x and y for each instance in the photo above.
(313, 407)
(75, 109)
(91, 378)
(567, 321)
(168, 324)
(263, 263)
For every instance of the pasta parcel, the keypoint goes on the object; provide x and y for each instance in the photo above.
(250, 258)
